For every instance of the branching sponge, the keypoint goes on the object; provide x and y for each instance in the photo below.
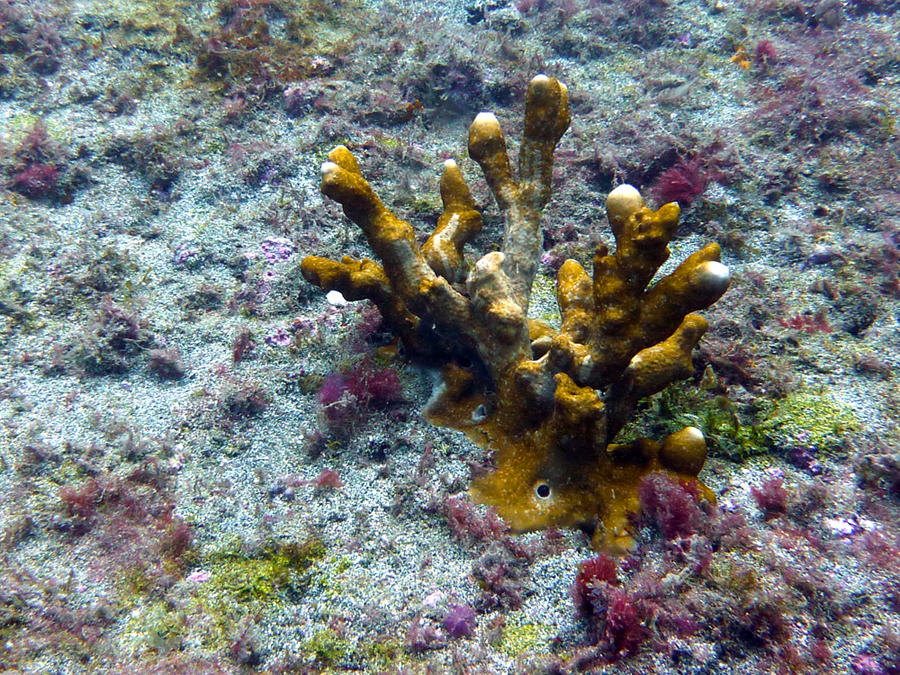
(548, 402)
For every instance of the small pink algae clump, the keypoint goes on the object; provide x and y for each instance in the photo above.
(682, 183)
(38, 180)
(279, 338)
(765, 53)
(276, 249)
(327, 479)
(37, 163)
(671, 505)
(332, 390)
(600, 568)
(771, 498)
(243, 344)
(808, 323)
(383, 387)
(624, 629)
(460, 621)
(366, 387)
(867, 665)
(198, 576)
(467, 522)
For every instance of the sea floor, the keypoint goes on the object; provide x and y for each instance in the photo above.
(208, 466)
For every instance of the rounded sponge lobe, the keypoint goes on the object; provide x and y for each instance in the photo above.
(621, 203)
(684, 451)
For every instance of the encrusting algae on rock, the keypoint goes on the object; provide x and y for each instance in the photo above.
(548, 402)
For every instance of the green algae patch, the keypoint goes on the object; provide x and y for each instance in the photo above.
(157, 628)
(330, 579)
(240, 584)
(522, 637)
(326, 647)
(807, 418)
(381, 655)
(266, 576)
(730, 431)
(810, 419)
(226, 587)
(543, 300)
(329, 651)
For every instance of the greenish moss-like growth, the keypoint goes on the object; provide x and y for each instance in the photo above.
(520, 638)
(327, 647)
(810, 419)
(243, 43)
(383, 655)
(730, 432)
(276, 569)
(723, 426)
(231, 586)
(158, 628)
(241, 585)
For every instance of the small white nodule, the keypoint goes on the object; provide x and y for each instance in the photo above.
(622, 202)
(692, 435)
(329, 168)
(486, 123)
(714, 275)
(336, 298)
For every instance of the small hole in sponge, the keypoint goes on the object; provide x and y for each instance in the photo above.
(542, 490)
(480, 414)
